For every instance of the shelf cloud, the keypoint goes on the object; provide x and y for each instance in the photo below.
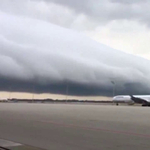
(37, 56)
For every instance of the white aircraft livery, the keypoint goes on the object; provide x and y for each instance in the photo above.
(131, 99)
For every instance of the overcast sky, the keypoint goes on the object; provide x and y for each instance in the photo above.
(122, 24)
(48, 44)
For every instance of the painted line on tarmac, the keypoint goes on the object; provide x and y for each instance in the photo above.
(6, 143)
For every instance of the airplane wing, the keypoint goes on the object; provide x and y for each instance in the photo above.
(140, 100)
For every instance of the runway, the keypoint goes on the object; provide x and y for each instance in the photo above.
(76, 127)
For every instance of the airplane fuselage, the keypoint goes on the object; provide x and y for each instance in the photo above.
(131, 99)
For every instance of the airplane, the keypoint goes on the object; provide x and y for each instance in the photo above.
(131, 99)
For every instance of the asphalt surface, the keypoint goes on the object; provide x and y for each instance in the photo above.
(76, 127)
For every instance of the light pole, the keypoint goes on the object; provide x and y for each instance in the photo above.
(33, 90)
(114, 87)
(9, 93)
(67, 90)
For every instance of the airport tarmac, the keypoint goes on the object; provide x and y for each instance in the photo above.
(76, 127)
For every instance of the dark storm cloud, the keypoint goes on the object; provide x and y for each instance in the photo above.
(36, 56)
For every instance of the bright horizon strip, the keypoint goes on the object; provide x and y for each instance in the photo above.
(23, 95)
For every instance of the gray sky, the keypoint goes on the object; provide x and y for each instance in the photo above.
(121, 24)
(48, 44)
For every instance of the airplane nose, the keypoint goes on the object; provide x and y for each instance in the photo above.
(114, 98)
